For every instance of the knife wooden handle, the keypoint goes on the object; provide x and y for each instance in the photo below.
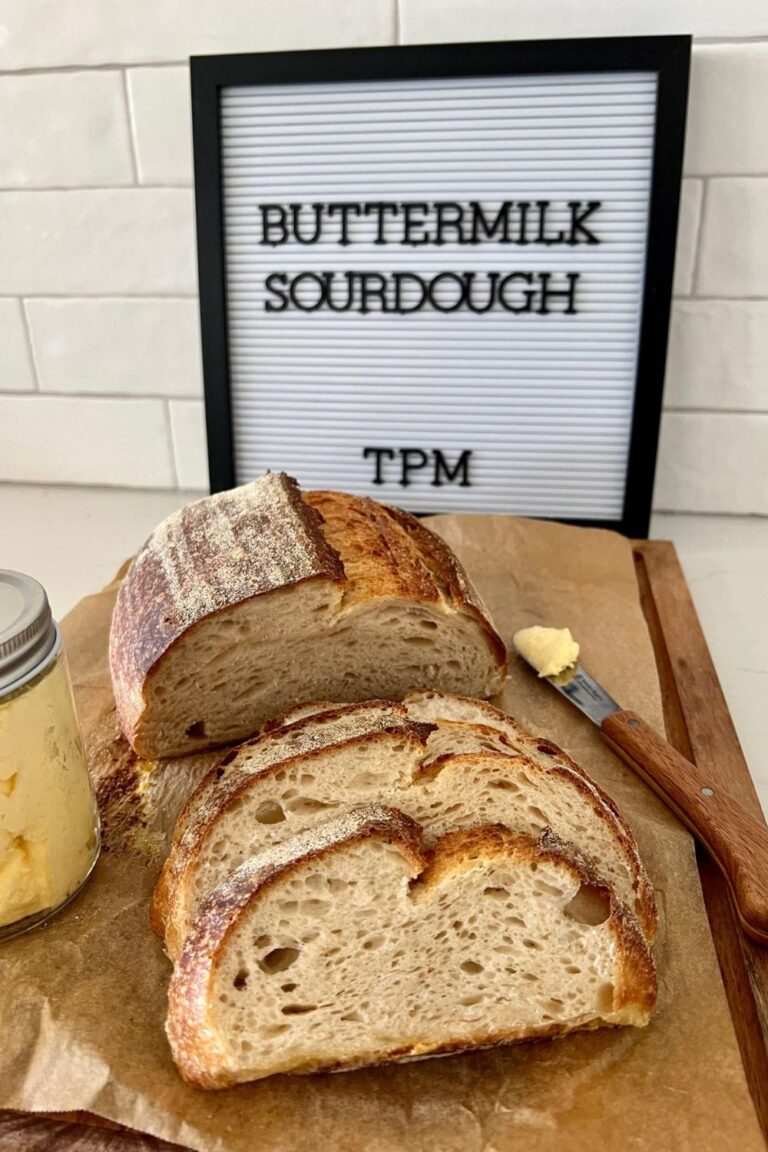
(737, 842)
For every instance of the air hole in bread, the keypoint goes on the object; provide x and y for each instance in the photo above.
(197, 730)
(305, 807)
(241, 980)
(472, 967)
(537, 815)
(541, 889)
(547, 749)
(291, 986)
(315, 908)
(469, 1001)
(496, 893)
(366, 780)
(353, 1018)
(534, 945)
(428, 625)
(373, 943)
(272, 1030)
(270, 812)
(505, 785)
(297, 1009)
(589, 906)
(605, 998)
(279, 959)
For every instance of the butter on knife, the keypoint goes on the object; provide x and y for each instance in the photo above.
(550, 651)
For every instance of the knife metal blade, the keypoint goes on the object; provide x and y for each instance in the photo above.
(588, 696)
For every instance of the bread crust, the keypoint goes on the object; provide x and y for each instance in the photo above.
(214, 797)
(209, 556)
(195, 1045)
(536, 747)
(263, 538)
(192, 1041)
(303, 725)
(447, 569)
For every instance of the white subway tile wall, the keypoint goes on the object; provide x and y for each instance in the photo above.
(714, 461)
(86, 440)
(100, 378)
(17, 373)
(691, 195)
(129, 346)
(188, 432)
(161, 118)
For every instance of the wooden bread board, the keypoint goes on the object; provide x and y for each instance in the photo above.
(699, 725)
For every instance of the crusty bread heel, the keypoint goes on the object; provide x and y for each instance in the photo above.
(248, 602)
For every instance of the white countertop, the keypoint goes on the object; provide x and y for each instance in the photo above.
(74, 539)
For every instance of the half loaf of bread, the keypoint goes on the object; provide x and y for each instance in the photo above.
(348, 946)
(245, 603)
(446, 774)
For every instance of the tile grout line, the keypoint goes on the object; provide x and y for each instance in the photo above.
(112, 66)
(705, 298)
(699, 238)
(155, 295)
(698, 411)
(106, 397)
(119, 65)
(132, 141)
(171, 443)
(35, 189)
(198, 398)
(38, 189)
(30, 343)
(79, 295)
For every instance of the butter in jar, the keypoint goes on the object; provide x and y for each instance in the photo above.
(49, 824)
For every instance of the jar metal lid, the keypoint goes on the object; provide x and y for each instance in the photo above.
(28, 632)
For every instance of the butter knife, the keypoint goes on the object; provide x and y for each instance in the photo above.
(736, 841)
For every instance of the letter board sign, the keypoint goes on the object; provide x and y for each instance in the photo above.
(441, 275)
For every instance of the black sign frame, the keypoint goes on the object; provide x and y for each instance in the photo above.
(667, 56)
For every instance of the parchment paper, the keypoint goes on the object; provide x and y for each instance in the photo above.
(82, 1001)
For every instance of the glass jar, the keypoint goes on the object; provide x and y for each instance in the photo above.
(49, 823)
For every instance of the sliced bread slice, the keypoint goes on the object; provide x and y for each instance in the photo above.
(446, 776)
(345, 947)
(442, 708)
(329, 746)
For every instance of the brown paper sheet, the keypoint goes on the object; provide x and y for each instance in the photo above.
(82, 1001)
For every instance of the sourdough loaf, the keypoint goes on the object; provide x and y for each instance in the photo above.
(446, 774)
(250, 601)
(349, 946)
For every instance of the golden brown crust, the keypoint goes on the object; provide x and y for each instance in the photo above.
(192, 1042)
(545, 752)
(450, 576)
(635, 991)
(264, 537)
(209, 556)
(389, 553)
(378, 557)
(216, 795)
(220, 793)
(303, 726)
(195, 1045)
(298, 712)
